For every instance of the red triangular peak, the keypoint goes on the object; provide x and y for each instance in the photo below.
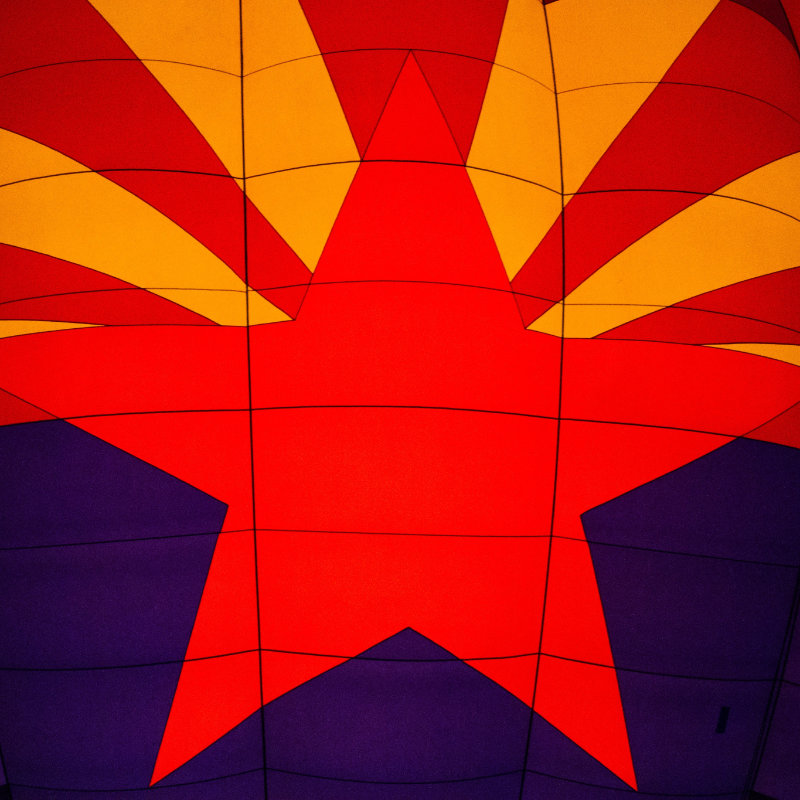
(412, 127)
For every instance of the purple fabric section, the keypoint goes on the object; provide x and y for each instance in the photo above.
(292, 787)
(62, 485)
(92, 605)
(101, 605)
(684, 615)
(539, 787)
(93, 729)
(699, 616)
(392, 720)
(779, 773)
(672, 725)
(740, 501)
(792, 672)
(239, 787)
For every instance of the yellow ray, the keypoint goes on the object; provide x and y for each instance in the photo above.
(790, 353)
(590, 121)
(713, 243)
(263, 312)
(293, 118)
(523, 44)
(226, 308)
(775, 185)
(303, 204)
(611, 41)
(274, 32)
(213, 102)
(517, 132)
(201, 32)
(589, 316)
(607, 41)
(22, 158)
(19, 327)
(519, 214)
(91, 221)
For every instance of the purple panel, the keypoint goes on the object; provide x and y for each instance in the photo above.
(283, 786)
(673, 723)
(127, 602)
(94, 729)
(61, 485)
(779, 773)
(792, 672)
(101, 605)
(239, 787)
(740, 501)
(695, 615)
(542, 787)
(398, 720)
(684, 615)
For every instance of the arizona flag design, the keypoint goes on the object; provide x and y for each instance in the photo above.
(399, 400)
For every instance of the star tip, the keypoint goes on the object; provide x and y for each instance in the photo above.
(159, 773)
(629, 777)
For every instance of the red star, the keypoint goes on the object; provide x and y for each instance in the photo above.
(405, 437)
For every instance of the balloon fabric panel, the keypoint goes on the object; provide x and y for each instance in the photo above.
(399, 400)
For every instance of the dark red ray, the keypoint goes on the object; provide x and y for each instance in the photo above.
(79, 294)
(14, 410)
(459, 85)
(363, 81)
(746, 54)
(771, 298)
(745, 311)
(127, 307)
(66, 30)
(27, 273)
(683, 139)
(137, 131)
(678, 324)
(471, 27)
(272, 263)
(783, 429)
